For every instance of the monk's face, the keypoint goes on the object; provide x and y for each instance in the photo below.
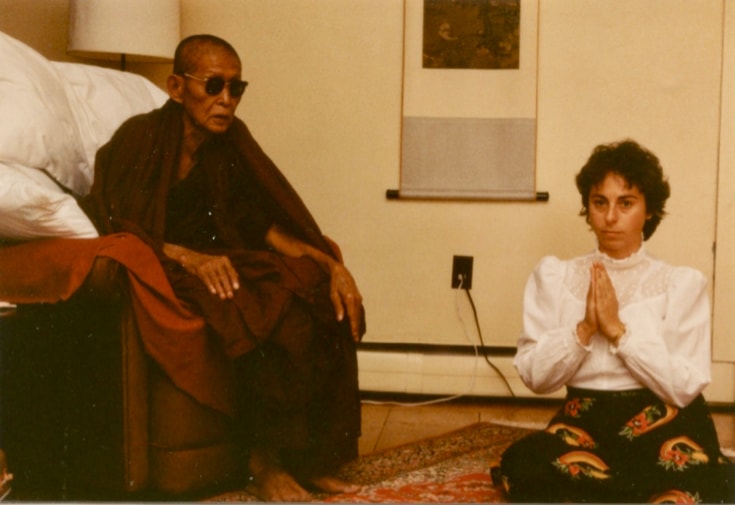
(205, 112)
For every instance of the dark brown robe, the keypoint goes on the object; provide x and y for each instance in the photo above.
(280, 328)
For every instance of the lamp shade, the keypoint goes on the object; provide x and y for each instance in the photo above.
(139, 30)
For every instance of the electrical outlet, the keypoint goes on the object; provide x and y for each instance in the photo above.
(462, 269)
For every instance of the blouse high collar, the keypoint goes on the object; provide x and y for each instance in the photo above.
(631, 261)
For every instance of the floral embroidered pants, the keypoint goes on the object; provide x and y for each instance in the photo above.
(619, 447)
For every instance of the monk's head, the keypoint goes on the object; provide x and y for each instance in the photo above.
(206, 81)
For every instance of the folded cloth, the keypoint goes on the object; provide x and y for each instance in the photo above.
(51, 270)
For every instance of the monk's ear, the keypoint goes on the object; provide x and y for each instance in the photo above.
(175, 86)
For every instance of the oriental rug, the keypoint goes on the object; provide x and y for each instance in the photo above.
(450, 468)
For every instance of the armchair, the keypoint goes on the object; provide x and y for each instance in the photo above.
(86, 414)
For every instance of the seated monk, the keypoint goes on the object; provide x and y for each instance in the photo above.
(241, 250)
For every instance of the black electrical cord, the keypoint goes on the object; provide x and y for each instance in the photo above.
(482, 343)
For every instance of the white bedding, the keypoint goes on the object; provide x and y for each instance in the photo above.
(54, 118)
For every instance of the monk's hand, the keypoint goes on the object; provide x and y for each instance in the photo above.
(346, 298)
(216, 272)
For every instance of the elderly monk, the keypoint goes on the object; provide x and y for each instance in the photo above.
(240, 249)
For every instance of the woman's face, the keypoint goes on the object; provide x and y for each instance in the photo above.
(617, 213)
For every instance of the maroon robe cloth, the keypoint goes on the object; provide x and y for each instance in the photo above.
(134, 174)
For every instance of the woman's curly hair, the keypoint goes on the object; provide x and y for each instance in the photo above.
(638, 166)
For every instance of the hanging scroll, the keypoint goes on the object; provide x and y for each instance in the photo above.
(469, 99)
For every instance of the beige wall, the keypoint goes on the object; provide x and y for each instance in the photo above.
(325, 103)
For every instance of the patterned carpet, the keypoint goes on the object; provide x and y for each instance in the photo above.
(451, 468)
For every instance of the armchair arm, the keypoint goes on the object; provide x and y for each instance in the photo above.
(104, 282)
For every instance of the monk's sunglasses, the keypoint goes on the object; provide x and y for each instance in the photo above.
(214, 85)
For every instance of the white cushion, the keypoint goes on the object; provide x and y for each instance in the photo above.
(32, 206)
(63, 112)
(55, 117)
(38, 129)
(102, 98)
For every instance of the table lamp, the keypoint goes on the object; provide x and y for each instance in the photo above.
(131, 30)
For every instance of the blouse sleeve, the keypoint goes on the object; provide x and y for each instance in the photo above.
(549, 353)
(671, 356)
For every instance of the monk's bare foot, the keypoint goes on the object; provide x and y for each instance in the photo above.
(270, 482)
(333, 485)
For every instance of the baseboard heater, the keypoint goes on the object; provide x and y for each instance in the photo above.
(460, 350)
(437, 369)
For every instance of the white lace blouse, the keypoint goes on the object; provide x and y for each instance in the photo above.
(665, 309)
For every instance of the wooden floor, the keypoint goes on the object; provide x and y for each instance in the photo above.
(386, 425)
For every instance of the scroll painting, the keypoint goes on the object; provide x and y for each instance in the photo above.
(469, 99)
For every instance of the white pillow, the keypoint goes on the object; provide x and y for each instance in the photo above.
(38, 129)
(32, 206)
(102, 98)
(54, 118)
